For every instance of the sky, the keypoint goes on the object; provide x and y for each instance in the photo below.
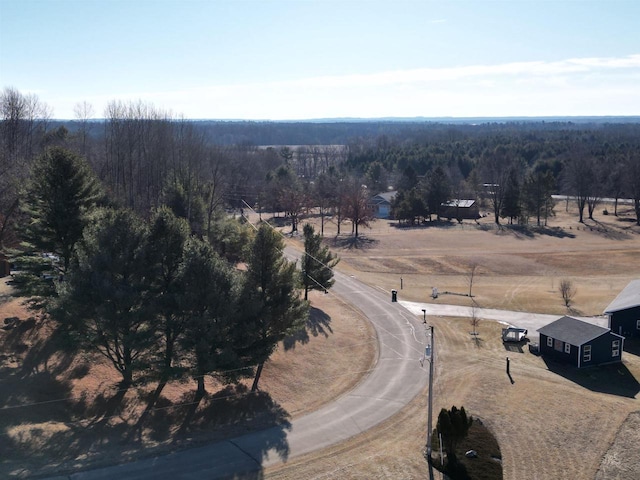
(310, 59)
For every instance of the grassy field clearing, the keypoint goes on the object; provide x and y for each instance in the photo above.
(551, 422)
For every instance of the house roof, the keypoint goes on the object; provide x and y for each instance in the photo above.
(629, 297)
(459, 203)
(385, 197)
(573, 331)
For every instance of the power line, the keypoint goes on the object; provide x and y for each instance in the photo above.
(325, 265)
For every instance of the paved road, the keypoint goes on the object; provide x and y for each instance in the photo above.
(397, 378)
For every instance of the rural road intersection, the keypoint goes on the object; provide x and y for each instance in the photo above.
(396, 379)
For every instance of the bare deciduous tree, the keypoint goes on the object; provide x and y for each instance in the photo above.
(568, 292)
(357, 205)
(83, 112)
(474, 321)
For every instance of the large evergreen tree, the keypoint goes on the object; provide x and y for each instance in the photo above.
(272, 307)
(61, 194)
(511, 205)
(208, 303)
(168, 235)
(317, 262)
(438, 190)
(105, 300)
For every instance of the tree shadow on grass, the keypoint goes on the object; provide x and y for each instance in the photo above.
(319, 323)
(477, 340)
(530, 231)
(352, 242)
(250, 420)
(614, 379)
(606, 231)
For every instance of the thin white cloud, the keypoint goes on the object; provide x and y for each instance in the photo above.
(423, 75)
(575, 86)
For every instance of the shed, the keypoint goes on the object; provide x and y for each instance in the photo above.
(460, 209)
(624, 311)
(381, 204)
(580, 343)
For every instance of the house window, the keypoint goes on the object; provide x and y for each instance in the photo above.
(615, 352)
(567, 348)
(615, 344)
(638, 324)
(586, 353)
(550, 341)
(558, 345)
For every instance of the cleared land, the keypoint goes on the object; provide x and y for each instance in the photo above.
(552, 422)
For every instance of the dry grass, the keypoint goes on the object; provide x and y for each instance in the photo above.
(59, 413)
(551, 422)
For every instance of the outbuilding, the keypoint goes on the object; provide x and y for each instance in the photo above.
(381, 204)
(580, 343)
(460, 210)
(624, 311)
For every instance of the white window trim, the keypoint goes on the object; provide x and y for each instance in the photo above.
(637, 324)
(615, 352)
(567, 347)
(586, 353)
(549, 342)
(615, 344)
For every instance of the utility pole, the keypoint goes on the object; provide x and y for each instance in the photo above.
(430, 358)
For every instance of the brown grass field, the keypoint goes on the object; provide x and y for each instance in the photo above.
(551, 422)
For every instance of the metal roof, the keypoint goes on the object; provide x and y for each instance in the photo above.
(573, 331)
(629, 297)
(386, 196)
(459, 203)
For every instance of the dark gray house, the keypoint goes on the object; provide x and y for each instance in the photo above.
(580, 343)
(624, 311)
(460, 209)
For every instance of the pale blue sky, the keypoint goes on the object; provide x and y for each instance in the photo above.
(300, 59)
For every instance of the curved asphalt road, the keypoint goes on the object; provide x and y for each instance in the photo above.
(397, 378)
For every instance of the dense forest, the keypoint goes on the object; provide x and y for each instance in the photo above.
(145, 157)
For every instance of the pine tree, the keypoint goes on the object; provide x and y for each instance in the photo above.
(208, 304)
(317, 263)
(61, 194)
(105, 300)
(453, 425)
(272, 306)
(165, 253)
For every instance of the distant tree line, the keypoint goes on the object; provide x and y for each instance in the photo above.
(145, 157)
